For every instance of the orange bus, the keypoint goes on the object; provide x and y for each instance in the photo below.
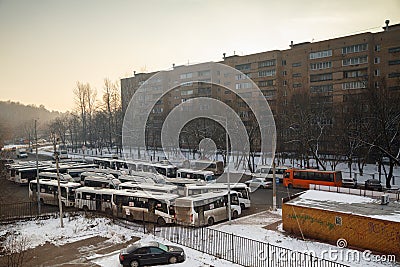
(299, 178)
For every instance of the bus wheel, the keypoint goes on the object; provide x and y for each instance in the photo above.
(210, 221)
(108, 211)
(242, 206)
(235, 214)
(161, 221)
(290, 186)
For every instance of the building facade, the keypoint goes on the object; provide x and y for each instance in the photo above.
(328, 74)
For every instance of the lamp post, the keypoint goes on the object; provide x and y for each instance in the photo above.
(37, 171)
(58, 180)
(227, 168)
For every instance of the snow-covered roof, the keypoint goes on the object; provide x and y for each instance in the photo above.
(350, 204)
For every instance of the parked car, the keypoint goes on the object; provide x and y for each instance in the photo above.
(349, 183)
(258, 182)
(373, 184)
(151, 253)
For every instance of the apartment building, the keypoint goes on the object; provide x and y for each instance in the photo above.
(326, 72)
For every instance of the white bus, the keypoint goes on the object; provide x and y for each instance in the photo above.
(206, 209)
(49, 192)
(53, 176)
(98, 199)
(241, 188)
(207, 176)
(101, 181)
(165, 169)
(161, 188)
(136, 179)
(217, 167)
(144, 206)
(84, 175)
(266, 172)
(24, 175)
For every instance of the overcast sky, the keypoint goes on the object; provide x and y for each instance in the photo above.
(46, 46)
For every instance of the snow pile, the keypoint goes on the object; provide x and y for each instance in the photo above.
(334, 197)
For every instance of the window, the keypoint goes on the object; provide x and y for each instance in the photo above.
(377, 48)
(243, 85)
(297, 64)
(321, 54)
(186, 75)
(394, 74)
(376, 84)
(243, 66)
(239, 77)
(296, 75)
(394, 62)
(285, 83)
(321, 65)
(394, 49)
(284, 73)
(354, 48)
(296, 85)
(355, 61)
(266, 83)
(377, 72)
(355, 73)
(322, 88)
(186, 92)
(266, 73)
(204, 73)
(267, 63)
(321, 77)
(377, 60)
(284, 62)
(338, 220)
(353, 85)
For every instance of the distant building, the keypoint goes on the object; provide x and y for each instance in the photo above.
(363, 222)
(329, 72)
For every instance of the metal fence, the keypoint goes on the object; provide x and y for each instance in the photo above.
(240, 250)
(25, 210)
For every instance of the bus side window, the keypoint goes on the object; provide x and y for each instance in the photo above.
(296, 175)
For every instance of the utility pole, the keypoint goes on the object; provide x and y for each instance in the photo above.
(58, 182)
(227, 170)
(37, 170)
(273, 186)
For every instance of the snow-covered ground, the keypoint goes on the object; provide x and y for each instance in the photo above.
(78, 228)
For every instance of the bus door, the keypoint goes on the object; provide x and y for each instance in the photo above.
(152, 210)
(201, 218)
(98, 202)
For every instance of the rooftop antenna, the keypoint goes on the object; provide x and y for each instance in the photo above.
(173, 65)
(387, 24)
(134, 72)
(224, 55)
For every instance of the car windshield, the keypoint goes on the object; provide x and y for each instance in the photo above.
(163, 247)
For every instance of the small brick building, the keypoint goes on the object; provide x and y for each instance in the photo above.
(364, 222)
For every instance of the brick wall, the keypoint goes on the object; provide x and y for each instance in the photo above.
(360, 232)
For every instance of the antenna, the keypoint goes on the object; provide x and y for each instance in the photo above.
(223, 55)
(387, 24)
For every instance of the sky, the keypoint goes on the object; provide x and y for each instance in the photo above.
(47, 46)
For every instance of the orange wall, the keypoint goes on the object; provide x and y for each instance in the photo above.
(360, 232)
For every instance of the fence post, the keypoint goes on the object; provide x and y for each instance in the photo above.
(233, 252)
(268, 254)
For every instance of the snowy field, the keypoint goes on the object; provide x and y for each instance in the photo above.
(79, 228)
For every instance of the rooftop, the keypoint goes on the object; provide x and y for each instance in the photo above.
(350, 204)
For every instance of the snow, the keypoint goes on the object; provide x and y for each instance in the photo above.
(334, 197)
(80, 227)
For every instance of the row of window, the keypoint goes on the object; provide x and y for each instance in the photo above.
(354, 48)
(355, 61)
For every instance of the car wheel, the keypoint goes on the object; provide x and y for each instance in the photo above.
(134, 263)
(235, 214)
(172, 260)
(161, 221)
(210, 221)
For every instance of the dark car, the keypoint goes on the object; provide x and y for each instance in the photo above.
(150, 254)
(373, 184)
(349, 183)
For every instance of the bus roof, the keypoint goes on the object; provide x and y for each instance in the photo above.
(146, 194)
(97, 190)
(196, 171)
(216, 185)
(207, 195)
(312, 170)
(149, 186)
(55, 182)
